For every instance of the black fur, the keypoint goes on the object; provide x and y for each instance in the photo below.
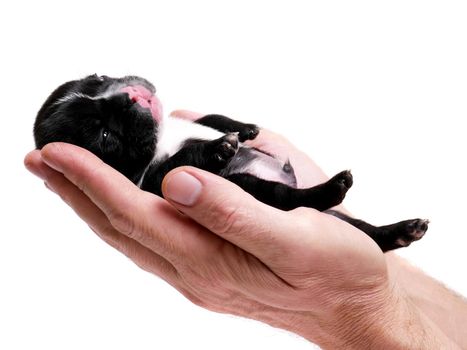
(115, 129)
(93, 113)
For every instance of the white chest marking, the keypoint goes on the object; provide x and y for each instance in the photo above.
(174, 132)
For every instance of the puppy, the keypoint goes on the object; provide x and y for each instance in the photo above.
(120, 120)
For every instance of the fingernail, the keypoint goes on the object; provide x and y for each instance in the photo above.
(183, 188)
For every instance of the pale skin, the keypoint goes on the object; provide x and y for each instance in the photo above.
(302, 270)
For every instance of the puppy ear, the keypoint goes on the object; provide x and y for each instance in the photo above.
(64, 119)
(51, 128)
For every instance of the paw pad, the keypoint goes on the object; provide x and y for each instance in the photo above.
(227, 147)
(414, 230)
(248, 133)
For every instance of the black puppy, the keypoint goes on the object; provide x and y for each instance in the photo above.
(120, 120)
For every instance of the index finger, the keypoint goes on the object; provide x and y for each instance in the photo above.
(140, 215)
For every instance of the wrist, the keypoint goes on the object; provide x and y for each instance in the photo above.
(446, 309)
(384, 319)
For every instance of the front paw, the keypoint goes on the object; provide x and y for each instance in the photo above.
(248, 132)
(226, 147)
(341, 183)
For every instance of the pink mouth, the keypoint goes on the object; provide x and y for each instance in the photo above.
(146, 99)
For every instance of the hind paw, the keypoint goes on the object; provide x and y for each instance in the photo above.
(413, 231)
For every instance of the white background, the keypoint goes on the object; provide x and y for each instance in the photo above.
(378, 87)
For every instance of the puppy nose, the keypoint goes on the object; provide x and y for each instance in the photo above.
(139, 94)
(135, 98)
(138, 91)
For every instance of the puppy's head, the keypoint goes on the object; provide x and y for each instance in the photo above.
(114, 118)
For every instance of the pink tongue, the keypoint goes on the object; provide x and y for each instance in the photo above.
(142, 96)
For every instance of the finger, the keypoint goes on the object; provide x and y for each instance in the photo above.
(33, 162)
(185, 114)
(95, 218)
(228, 211)
(140, 215)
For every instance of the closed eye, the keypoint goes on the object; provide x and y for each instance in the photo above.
(104, 138)
(110, 144)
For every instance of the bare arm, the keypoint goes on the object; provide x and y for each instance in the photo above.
(442, 306)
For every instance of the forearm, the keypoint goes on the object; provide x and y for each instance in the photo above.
(444, 308)
(391, 322)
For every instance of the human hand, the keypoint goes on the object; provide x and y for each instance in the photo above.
(302, 270)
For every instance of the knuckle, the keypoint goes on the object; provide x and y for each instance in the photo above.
(122, 222)
(194, 299)
(65, 197)
(208, 293)
(109, 235)
(304, 216)
(230, 219)
(82, 181)
(143, 263)
(87, 174)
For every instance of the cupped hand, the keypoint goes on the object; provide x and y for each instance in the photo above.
(301, 270)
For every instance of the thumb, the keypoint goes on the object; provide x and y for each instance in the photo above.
(231, 213)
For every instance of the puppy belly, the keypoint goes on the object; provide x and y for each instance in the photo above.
(174, 132)
(251, 161)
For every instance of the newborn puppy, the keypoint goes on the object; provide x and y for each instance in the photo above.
(120, 120)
